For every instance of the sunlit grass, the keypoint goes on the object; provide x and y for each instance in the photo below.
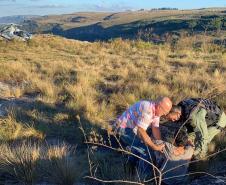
(88, 77)
(97, 81)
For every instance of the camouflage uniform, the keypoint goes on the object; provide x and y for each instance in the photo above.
(204, 120)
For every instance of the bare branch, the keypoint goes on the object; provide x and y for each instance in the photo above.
(190, 162)
(124, 151)
(113, 181)
(193, 173)
(156, 182)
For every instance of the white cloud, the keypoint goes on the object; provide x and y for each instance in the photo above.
(51, 6)
(112, 7)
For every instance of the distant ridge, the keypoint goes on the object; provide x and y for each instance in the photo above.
(91, 26)
(17, 19)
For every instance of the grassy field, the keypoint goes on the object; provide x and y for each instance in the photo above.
(59, 82)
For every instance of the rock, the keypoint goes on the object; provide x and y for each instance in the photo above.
(12, 31)
(13, 88)
(4, 87)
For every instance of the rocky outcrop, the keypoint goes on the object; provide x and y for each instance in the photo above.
(13, 32)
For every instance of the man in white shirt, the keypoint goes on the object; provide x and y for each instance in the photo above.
(133, 123)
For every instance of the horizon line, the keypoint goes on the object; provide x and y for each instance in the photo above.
(128, 10)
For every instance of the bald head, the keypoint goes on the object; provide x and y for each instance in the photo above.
(163, 105)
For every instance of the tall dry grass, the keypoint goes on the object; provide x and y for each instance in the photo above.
(89, 77)
(20, 162)
(31, 162)
(62, 165)
(96, 81)
(12, 130)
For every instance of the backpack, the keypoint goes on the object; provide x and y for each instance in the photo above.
(213, 110)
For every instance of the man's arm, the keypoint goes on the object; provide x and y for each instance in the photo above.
(156, 133)
(147, 140)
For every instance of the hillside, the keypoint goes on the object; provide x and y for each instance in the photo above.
(104, 26)
(51, 85)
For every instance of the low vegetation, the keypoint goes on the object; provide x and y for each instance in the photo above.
(57, 81)
(32, 162)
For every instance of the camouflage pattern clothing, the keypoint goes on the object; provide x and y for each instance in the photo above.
(204, 120)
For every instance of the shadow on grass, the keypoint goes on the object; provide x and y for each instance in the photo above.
(31, 162)
(53, 121)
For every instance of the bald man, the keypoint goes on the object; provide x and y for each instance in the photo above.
(133, 123)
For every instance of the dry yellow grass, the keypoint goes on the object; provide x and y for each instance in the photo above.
(99, 80)
(96, 81)
(12, 130)
(29, 163)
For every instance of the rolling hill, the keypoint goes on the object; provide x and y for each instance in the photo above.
(56, 93)
(91, 26)
(17, 19)
(52, 87)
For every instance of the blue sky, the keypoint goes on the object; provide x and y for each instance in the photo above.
(44, 7)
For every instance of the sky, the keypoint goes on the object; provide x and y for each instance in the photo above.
(46, 7)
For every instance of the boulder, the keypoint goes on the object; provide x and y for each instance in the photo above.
(12, 31)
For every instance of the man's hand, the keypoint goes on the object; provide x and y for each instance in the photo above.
(147, 140)
(179, 151)
(159, 147)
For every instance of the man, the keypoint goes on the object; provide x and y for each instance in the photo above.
(202, 118)
(133, 123)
